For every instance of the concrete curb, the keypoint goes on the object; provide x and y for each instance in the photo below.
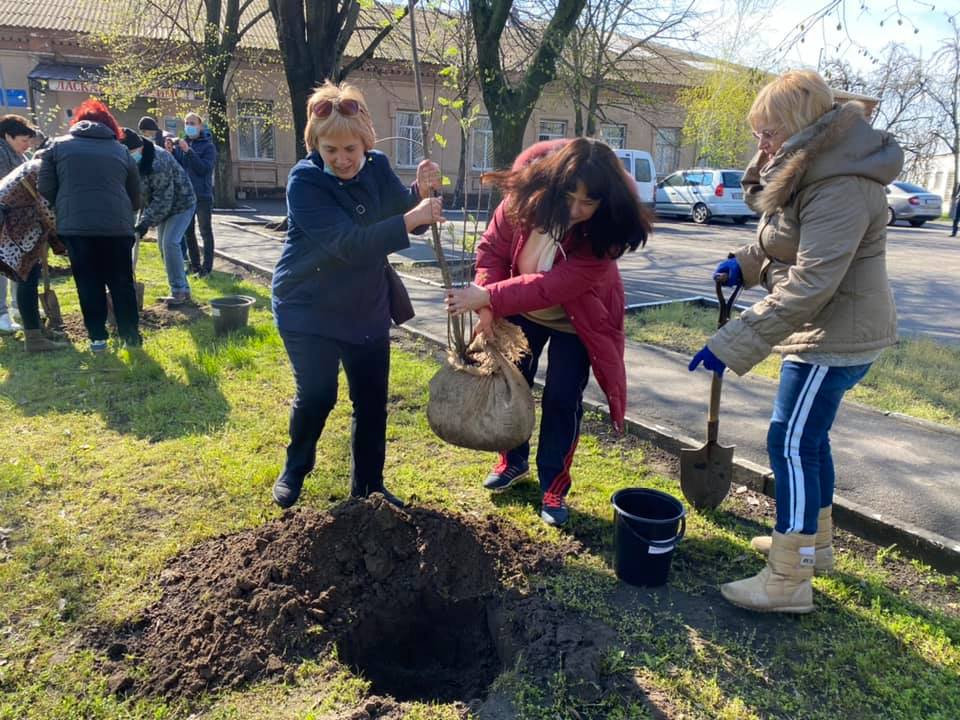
(935, 550)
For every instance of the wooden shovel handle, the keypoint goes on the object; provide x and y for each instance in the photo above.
(713, 417)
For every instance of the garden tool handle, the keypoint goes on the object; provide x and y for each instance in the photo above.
(726, 304)
(45, 266)
(713, 417)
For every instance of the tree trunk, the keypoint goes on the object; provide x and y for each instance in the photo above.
(225, 194)
(459, 189)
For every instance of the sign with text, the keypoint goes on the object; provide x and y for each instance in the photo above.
(88, 87)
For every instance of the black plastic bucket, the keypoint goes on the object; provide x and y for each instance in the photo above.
(647, 525)
(230, 313)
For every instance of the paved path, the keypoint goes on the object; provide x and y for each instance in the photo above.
(901, 469)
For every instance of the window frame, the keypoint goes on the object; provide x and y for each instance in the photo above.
(545, 136)
(488, 143)
(416, 151)
(259, 121)
(622, 127)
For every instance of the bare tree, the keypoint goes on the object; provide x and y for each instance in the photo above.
(511, 97)
(160, 43)
(944, 93)
(313, 36)
(612, 47)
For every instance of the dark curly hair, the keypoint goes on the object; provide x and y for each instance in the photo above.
(96, 111)
(537, 197)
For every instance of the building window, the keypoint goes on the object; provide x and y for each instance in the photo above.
(552, 129)
(255, 130)
(614, 135)
(666, 153)
(482, 154)
(409, 139)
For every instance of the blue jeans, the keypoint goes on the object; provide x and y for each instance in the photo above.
(568, 370)
(799, 443)
(169, 234)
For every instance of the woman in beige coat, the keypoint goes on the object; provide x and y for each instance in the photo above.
(818, 179)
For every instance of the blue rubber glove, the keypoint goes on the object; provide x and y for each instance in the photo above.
(709, 360)
(731, 268)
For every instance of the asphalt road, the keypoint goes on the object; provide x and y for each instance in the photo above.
(923, 263)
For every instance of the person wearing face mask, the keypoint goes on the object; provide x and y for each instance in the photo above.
(198, 156)
(819, 180)
(548, 263)
(168, 203)
(346, 211)
(16, 137)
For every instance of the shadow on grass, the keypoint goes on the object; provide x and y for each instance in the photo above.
(858, 655)
(135, 397)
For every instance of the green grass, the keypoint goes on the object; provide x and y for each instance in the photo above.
(111, 465)
(916, 377)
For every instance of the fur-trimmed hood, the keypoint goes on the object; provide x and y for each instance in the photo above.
(841, 142)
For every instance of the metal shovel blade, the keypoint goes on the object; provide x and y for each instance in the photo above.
(705, 475)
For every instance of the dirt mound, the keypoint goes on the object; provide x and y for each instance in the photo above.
(406, 596)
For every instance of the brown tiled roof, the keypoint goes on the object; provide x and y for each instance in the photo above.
(667, 66)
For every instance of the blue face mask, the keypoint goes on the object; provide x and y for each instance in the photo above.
(136, 155)
(191, 130)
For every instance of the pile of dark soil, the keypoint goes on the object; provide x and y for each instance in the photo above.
(416, 600)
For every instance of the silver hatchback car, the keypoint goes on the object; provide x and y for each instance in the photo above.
(703, 193)
(906, 201)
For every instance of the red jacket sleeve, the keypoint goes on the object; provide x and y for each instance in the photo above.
(567, 280)
(495, 249)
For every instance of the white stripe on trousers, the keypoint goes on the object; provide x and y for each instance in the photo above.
(791, 446)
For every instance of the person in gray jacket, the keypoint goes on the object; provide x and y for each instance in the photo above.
(168, 205)
(819, 180)
(94, 187)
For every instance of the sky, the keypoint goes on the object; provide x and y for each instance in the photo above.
(765, 30)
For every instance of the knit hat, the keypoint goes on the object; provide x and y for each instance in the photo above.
(131, 139)
(147, 123)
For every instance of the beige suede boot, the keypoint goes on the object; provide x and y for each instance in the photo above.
(784, 584)
(824, 544)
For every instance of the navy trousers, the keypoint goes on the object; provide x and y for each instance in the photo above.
(316, 365)
(568, 370)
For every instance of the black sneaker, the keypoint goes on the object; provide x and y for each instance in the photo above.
(286, 490)
(554, 510)
(504, 475)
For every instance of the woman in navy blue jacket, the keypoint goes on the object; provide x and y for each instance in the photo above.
(346, 211)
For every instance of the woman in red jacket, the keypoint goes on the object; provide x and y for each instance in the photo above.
(548, 262)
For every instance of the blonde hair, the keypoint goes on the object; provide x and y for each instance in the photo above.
(193, 115)
(336, 124)
(793, 101)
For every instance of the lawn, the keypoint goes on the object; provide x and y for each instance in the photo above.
(111, 466)
(916, 377)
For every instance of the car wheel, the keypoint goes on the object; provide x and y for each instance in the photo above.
(700, 213)
(891, 216)
(917, 223)
(741, 220)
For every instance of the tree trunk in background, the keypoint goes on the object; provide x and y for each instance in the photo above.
(509, 106)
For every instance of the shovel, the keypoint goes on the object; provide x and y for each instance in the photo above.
(48, 298)
(705, 473)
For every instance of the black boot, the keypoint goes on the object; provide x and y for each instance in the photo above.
(388, 496)
(286, 490)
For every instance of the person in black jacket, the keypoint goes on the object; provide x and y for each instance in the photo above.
(94, 186)
(347, 211)
(198, 155)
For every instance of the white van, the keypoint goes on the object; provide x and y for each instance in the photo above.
(639, 165)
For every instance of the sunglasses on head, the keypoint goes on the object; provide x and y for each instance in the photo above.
(347, 108)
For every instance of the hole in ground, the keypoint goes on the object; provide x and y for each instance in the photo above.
(434, 650)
